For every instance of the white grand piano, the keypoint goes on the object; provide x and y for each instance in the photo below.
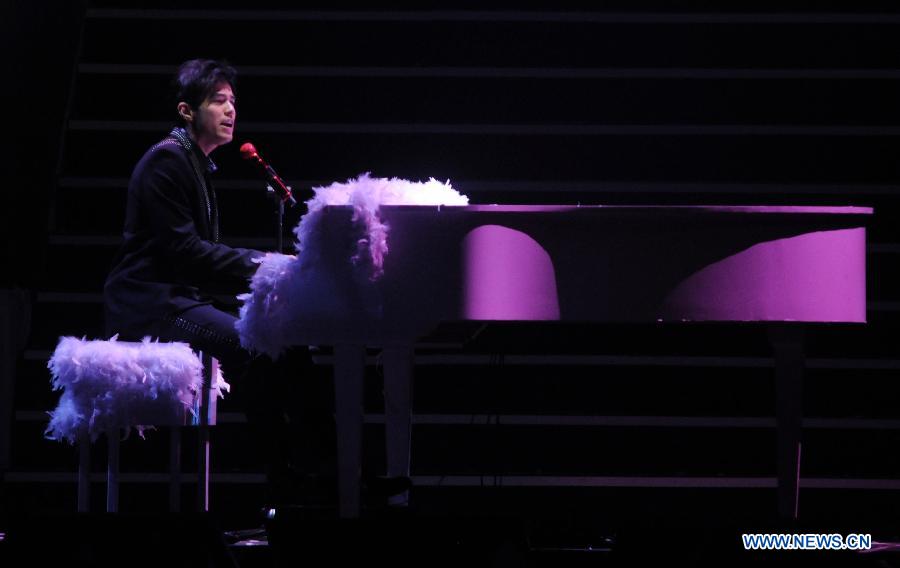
(783, 267)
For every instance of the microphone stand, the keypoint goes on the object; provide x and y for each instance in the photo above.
(248, 152)
(279, 220)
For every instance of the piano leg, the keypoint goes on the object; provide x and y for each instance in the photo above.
(398, 375)
(349, 370)
(787, 344)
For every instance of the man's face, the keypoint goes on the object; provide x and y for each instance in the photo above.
(214, 121)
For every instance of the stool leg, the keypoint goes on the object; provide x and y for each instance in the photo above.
(112, 472)
(203, 470)
(175, 469)
(84, 472)
(210, 371)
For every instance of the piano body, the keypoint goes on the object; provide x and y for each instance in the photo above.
(784, 267)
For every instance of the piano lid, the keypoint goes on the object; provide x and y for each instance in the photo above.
(645, 209)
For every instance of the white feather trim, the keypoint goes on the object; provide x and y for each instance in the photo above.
(288, 294)
(366, 194)
(112, 384)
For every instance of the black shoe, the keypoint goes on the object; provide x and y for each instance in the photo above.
(247, 537)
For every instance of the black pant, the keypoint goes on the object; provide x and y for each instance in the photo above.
(289, 402)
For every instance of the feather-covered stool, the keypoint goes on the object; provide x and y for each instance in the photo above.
(110, 386)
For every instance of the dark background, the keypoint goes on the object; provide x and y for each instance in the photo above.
(627, 102)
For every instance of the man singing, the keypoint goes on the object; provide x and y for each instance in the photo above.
(172, 263)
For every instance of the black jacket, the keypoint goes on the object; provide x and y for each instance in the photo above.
(170, 260)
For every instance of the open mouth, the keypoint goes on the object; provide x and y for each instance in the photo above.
(228, 124)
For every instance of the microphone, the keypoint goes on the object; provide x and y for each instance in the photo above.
(248, 152)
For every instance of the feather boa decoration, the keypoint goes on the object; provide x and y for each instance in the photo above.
(111, 384)
(366, 194)
(274, 312)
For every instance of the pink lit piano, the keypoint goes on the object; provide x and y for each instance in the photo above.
(785, 266)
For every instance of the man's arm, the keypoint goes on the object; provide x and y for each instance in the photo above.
(163, 190)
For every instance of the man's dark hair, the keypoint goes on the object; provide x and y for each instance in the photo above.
(197, 79)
